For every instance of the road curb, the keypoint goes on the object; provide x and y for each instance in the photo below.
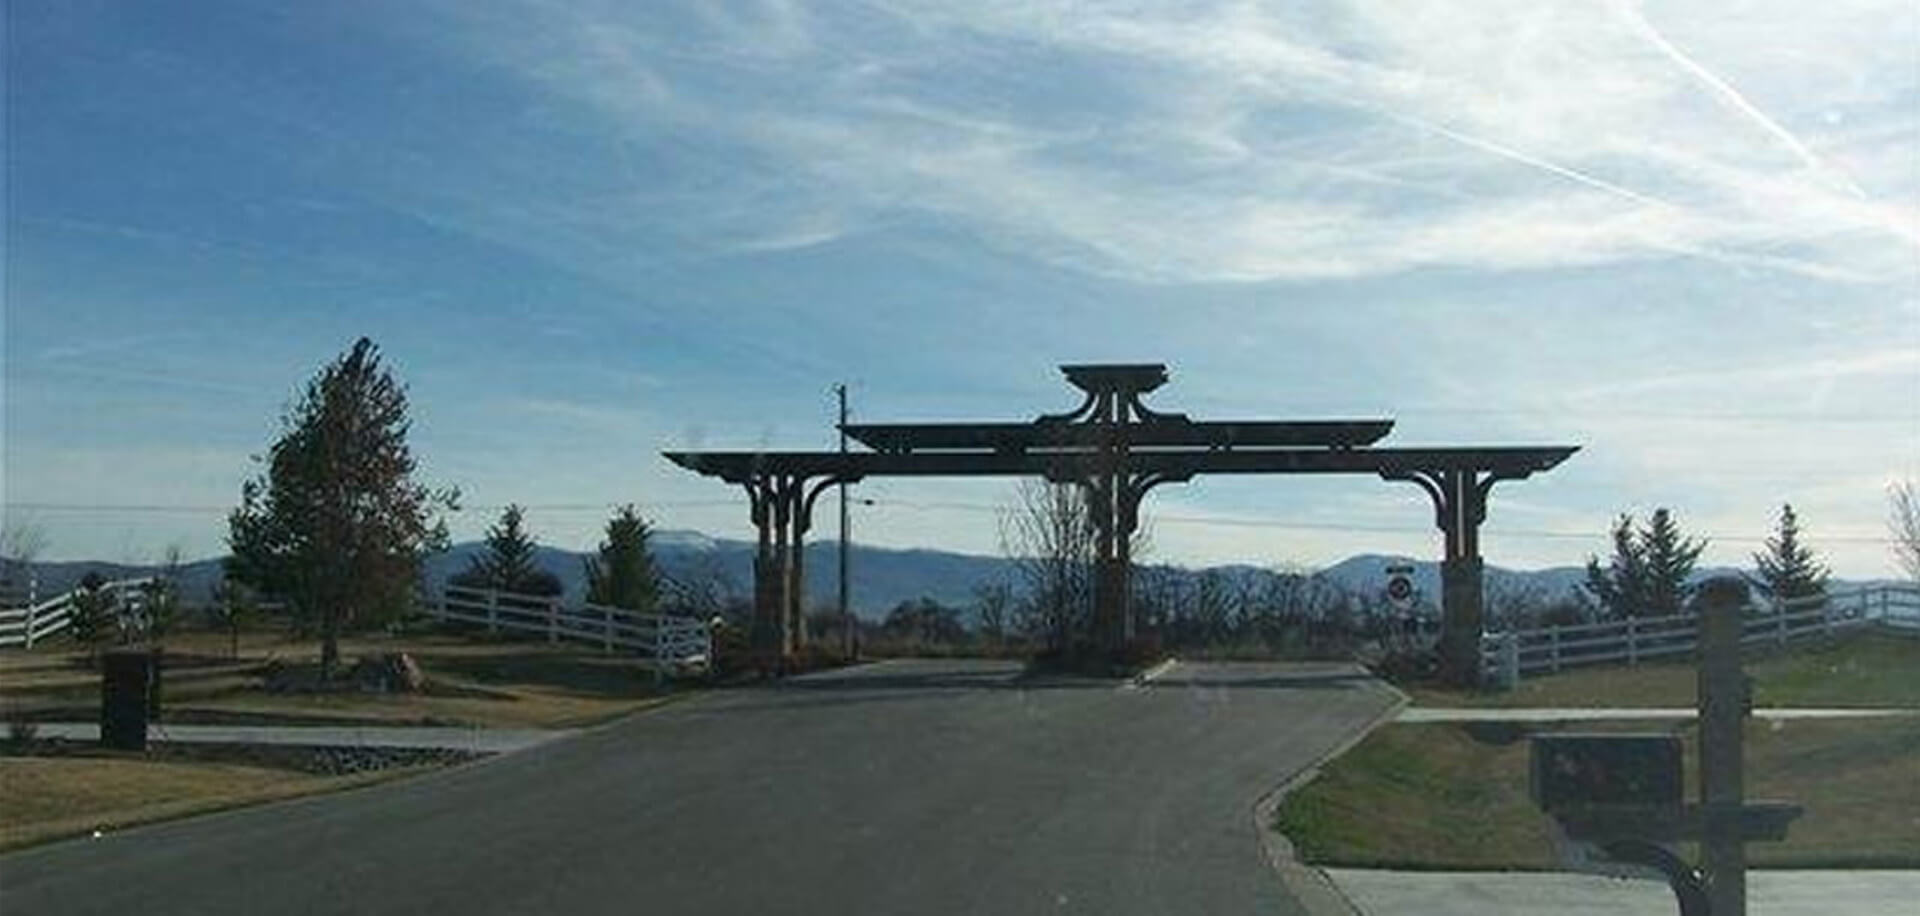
(1308, 884)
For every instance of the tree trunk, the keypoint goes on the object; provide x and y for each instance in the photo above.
(329, 646)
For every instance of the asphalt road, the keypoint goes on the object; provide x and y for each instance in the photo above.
(906, 787)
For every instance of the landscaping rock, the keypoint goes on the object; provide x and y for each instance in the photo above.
(391, 672)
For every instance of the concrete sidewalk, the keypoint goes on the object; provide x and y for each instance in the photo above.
(1469, 714)
(476, 740)
(1769, 893)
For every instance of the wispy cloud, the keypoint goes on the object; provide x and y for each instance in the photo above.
(1232, 141)
(1701, 386)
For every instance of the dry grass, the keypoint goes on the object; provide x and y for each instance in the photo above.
(1861, 669)
(46, 798)
(1433, 796)
(472, 681)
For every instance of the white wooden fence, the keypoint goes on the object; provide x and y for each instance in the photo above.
(671, 643)
(1507, 656)
(36, 621)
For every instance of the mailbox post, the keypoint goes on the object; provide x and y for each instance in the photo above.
(1621, 795)
(1724, 700)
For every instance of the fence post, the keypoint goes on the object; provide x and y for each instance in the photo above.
(553, 621)
(606, 622)
(1633, 641)
(1553, 641)
(493, 611)
(1510, 659)
(29, 617)
(1780, 628)
(659, 651)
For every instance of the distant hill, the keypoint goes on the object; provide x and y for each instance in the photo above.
(882, 577)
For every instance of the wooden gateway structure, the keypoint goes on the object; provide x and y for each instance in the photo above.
(1117, 449)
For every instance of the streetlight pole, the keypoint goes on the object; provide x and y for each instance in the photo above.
(846, 612)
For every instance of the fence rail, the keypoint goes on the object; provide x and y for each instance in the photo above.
(669, 642)
(1508, 656)
(24, 626)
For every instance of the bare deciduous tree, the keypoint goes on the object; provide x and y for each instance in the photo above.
(1049, 535)
(704, 589)
(1903, 520)
(160, 598)
(1513, 603)
(21, 543)
(993, 601)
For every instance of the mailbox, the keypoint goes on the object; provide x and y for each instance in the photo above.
(128, 688)
(1572, 772)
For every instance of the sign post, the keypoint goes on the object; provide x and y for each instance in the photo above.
(1401, 598)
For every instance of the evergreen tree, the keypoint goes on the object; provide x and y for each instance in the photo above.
(508, 565)
(1788, 571)
(336, 526)
(95, 614)
(1647, 576)
(623, 574)
(1670, 560)
(1620, 588)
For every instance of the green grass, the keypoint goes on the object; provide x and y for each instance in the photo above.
(1435, 796)
(1861, 669)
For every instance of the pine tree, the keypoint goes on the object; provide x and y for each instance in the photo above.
(509, 563)
(336, 526)
(1621, 588)
(1670, 559)
(1788, 571)
(1648, 574)
(623, 574)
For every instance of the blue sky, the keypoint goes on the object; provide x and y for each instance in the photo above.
(1683, 236)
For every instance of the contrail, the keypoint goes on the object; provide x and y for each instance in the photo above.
(1774, 262)
(1739, 102)
(1508, 152)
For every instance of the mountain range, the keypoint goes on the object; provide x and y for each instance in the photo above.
(881, 577)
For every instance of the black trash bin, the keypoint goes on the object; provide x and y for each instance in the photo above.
(127, 683)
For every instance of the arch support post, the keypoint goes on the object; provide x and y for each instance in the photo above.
(1110, 624)
(764, 637)
(1459, 507)
(782, 507)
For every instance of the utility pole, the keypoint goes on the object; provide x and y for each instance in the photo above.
(846, 612)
